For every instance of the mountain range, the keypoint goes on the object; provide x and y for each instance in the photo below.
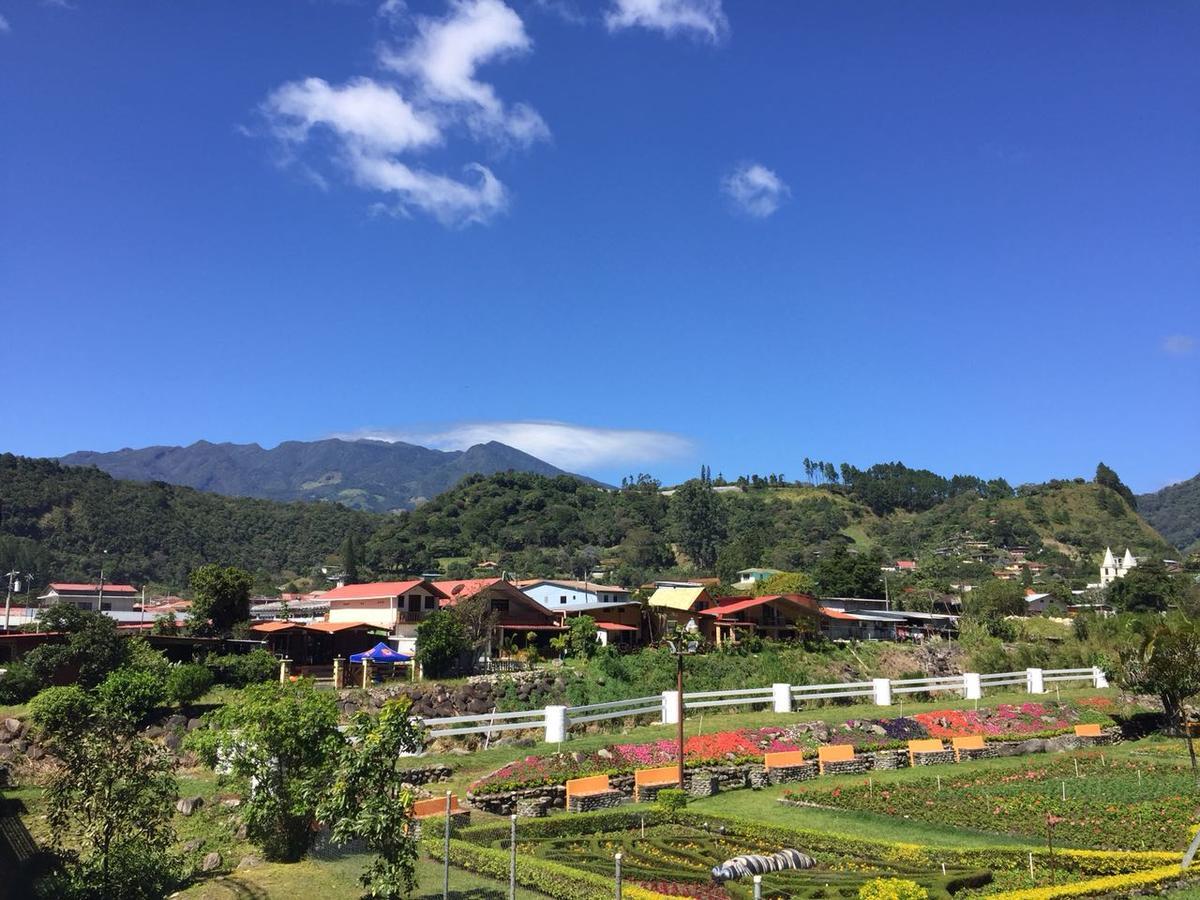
(378, 476)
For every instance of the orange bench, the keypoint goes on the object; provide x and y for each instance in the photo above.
(593, 792)
(436, 806)
(1088, 731)
(923, 746)
(971, 745)
(835, 755)
(652, 781)
(788, 765)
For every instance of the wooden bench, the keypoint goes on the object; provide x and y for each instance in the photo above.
(648, 782)
(593, 792)
(928, 751)
(839, 759)
(788, 765)
(1092, 733)
(971, 747)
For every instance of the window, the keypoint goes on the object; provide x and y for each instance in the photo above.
(414, 603)
(562, 598)
(105, 606)
(500, 605)
(431, 602)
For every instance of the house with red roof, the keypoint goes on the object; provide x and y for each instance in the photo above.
(96, 597)
(520, 620)
(780, 617)
(398, 606)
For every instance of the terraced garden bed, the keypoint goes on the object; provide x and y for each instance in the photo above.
(1114, 802)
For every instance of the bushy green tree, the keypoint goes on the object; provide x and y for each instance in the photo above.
(841, 573)
(441, 640)
(221, 597)
(1166, 662)
(1109, 479)
(579, 640)
(369, 799)
(1148, 587)
(132, 694)
(281, 740)
(698, 522)
(93, 645)
(785, 583)
(109, 800)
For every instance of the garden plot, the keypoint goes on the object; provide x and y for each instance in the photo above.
(1110, 803)
(672, 855)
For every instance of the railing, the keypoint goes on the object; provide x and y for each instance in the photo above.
(614, 709)
(557, 720)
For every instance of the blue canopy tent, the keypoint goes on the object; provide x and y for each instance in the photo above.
(381, 652)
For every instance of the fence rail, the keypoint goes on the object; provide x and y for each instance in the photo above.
(557, 720)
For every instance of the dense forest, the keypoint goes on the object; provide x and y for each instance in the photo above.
(63, 523)
(1175, 512)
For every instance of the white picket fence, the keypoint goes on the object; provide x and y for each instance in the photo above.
(557, 721)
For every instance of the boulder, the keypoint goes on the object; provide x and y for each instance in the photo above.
(20, 745)
(6, 751)
(211, 862)
(172, 740)
(193, 724)
(231, 802)
(188, 805)
(175, 721)
(193, 845)
(249, 862)
(34, 752)
(13, 726)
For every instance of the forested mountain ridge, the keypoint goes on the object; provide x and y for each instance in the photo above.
(542, 526)
(371, 475)
(1175, 512)
(57, 521)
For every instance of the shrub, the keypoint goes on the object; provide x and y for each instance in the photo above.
(241, 669)
(60, 710)
(188, 682)
(132, 694)
(18, 684)
(892, 889)
(671, 800)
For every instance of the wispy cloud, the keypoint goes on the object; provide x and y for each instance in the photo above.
(568, 446)
(5, 28)
(444, 59)
(755, 190)
(704, 19)
(1179, 344)
(377, 124)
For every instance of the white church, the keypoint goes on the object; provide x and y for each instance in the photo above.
(1112, 569)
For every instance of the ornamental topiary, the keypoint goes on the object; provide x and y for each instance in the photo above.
(671, 800)
(892, 889)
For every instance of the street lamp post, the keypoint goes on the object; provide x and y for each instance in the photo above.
(687, 643)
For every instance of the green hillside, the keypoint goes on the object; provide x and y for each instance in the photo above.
(57, 521)
(1175, 512)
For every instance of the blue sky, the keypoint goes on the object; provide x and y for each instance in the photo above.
(962, 235)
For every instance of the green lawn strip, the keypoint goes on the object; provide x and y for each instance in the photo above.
(338, 878)
(469, 767)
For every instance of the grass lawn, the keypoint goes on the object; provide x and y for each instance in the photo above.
(338, 879)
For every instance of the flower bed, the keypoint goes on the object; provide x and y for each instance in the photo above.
(747, 745)
(1109, 807)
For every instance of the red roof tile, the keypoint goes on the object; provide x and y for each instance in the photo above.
(615, 626)
(737, 604)
(375, 590)
(334, 627)
(92, 588)
(274, 627)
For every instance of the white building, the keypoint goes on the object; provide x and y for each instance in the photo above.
(564, 595)
(398, 606)
(96, 597)
(1111, 569)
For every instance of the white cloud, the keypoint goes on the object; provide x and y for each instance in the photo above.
(370, 116)
(4, 26)
(369, 126)
(446, 54)
(1179, 344)
(755, 189)
(698, 18)
(449, 201)
(572, 447)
